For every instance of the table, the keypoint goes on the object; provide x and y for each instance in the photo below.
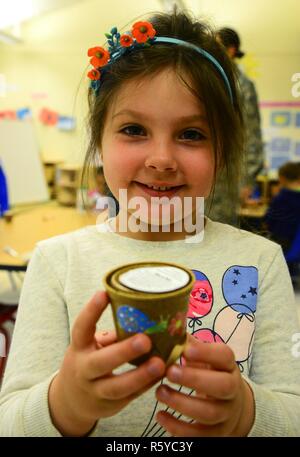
(255, 211)
(30, 225)
(252, 217)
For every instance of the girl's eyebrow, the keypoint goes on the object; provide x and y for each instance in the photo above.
(141, 115)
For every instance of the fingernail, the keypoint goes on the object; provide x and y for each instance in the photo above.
(175, 373)
(191, 352)
(163, 393)
(138, 344)
(154, 369)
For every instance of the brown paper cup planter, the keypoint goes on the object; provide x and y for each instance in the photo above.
(151, 298)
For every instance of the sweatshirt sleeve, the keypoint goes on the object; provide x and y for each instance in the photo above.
(40, 339)
(275, 368)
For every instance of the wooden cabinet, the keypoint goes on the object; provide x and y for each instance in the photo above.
(68, 179)
(50, 169)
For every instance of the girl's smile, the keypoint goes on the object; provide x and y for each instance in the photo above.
(160, 189)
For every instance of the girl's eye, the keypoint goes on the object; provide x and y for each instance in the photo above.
(192, 135)
(133, 130)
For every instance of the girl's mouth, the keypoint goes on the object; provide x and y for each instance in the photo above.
(159, 191)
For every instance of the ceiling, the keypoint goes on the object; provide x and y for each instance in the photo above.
(266, 27)
(15, 11)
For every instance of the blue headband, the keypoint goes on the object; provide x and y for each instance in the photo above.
(200, 51)
(141, 36)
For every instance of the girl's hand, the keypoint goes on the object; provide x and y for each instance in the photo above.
(222, 404)
(85, 389)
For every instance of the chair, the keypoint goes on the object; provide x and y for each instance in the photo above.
(9, 299)
(292, 258)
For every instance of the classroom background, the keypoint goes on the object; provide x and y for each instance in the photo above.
(43, 64)
(43, 86)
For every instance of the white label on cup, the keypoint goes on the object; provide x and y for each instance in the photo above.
(155, 279)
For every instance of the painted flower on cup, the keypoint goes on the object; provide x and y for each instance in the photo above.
(142, 31)
(200, 299)
(177, 324)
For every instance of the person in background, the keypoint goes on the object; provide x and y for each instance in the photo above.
(222, 208)
(282, 219)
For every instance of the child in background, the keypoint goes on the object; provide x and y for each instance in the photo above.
(166, 119)
(283, 216)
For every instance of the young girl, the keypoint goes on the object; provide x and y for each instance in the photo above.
(164, 114)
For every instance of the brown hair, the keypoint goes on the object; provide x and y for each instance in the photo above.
(290, 171)
(224, 117)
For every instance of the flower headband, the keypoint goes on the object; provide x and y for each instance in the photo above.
(141, 36)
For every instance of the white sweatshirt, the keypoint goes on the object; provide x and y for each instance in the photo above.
(243, 296)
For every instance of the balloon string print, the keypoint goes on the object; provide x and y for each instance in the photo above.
(193, 321)
(156, 428)
(152, 415)
(250, 317)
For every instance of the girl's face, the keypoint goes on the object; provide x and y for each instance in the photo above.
(156, 134)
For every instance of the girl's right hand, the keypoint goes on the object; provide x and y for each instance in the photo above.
(85, 388)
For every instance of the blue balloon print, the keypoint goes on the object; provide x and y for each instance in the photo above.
(240, 288)
(242, 309)
(133, 320)
(199, 275)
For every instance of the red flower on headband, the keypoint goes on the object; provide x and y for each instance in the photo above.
(142, 31)
(126, 40)
(99, 55)
(94, 74)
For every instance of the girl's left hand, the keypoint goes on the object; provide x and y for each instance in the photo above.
(222, 404)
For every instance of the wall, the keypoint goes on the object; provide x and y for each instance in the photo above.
(52, 62)
(49, 69)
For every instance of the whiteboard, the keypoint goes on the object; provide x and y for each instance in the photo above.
(20, 157)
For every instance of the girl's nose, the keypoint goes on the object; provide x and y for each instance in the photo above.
(161, 158)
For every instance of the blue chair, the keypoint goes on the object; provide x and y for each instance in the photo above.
(292, 258)
(9, 299)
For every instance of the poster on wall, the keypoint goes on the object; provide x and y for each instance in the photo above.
(281, 132)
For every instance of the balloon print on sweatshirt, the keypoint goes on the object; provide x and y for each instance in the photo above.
(235, 323)
(237, 331)
(240, 285)
(201, 300)
(206, 335)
